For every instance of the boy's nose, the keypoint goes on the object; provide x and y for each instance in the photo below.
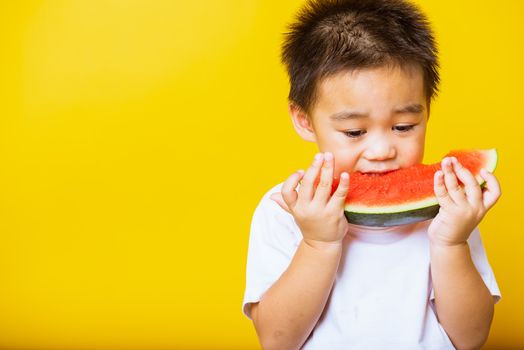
(380, 149)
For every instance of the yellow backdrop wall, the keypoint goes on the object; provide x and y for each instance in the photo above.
(137, 137)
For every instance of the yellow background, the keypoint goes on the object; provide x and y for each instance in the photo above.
(137, 137)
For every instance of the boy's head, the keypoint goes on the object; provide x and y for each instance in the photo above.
(372, 61)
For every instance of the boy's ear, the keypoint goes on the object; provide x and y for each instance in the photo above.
(428, 104)
(302, 123)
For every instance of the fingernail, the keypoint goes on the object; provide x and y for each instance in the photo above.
(318, 157)
(301, 172)
(328, 156)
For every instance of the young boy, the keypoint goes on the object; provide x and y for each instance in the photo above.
(362, 75)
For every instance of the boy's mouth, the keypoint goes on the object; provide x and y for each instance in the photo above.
(377, 172)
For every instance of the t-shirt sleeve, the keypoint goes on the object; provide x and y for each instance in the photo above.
(480, 260)
(273, 241)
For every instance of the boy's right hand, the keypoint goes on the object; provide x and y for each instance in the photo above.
(320, 218)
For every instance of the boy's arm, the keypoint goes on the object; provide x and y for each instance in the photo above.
(463, 302)
(289, 310)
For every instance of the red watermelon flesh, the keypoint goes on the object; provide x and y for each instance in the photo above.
(411, 184)
(405, 195)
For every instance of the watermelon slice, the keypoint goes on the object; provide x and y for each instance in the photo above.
(406, 195)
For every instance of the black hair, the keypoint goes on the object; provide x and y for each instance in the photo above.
(331, 36)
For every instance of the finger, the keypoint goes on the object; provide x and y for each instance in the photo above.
(277, 197)
(471, 186)
(338, 200)
(491, 192)
(455, 191)
(443, 198)
(307, 186)
(288, 191)
(324, 187)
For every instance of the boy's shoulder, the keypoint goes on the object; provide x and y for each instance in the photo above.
(271, 223)
(266, 203)
(275, 189)
(270, 209)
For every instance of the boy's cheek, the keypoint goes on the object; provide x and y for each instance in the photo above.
(341, 167)
(344, 161)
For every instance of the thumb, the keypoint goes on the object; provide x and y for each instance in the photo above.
(277, 197)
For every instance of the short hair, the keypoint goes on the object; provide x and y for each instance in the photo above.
(332, 36)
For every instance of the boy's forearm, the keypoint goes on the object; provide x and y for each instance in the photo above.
(289, 310)
(463, 302)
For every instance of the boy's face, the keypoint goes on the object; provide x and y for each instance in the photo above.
(372, 120)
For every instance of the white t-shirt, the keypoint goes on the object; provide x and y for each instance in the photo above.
(382, 297)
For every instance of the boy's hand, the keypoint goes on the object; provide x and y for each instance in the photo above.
(461, 209)
(320, 218)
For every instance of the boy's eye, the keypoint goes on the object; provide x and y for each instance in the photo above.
(355, 133)
(403, 128)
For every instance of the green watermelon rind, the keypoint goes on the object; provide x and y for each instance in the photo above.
(419, 210)
(393, 219)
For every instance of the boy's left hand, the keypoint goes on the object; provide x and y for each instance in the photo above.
(461, 208)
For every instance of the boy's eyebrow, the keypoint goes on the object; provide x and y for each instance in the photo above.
(345, 115)
(411, 108)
